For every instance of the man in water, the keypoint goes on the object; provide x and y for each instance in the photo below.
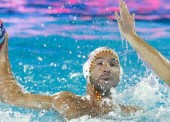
(102, 72)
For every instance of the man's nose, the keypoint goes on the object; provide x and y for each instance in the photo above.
(106, 71)
(106, 68)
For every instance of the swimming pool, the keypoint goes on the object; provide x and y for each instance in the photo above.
(46, 65)
(47, 53)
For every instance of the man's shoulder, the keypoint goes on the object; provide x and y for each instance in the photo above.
(66, 95)
(68, 100)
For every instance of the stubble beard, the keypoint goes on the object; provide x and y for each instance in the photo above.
(103, 89)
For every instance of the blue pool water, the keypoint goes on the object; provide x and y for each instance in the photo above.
(50, 41)
(51, 61)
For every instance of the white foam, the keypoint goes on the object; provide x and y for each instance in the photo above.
(75, 74)
(147, 94)
(10, 116)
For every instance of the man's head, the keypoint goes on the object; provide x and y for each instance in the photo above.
(102, 69)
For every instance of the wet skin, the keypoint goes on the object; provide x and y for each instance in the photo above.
(105, 72)
(68, 104)
(126, 23)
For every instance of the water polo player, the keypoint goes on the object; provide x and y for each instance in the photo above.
(102, 72)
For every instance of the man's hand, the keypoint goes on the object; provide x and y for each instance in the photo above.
(126, 21)
(150, 55)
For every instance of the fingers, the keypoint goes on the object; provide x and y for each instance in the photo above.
(117, 16)
(125, 9)
(133, 16)
(133, 19)
(124, 12)
(120, 8)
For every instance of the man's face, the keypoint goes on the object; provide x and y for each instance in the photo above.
(105, 72)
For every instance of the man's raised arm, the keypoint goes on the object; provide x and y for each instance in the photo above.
(149, 54)
(10, 92)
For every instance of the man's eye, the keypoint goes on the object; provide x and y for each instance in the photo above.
(100, 63)
(112, 64)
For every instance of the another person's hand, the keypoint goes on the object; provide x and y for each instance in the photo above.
(2, 32)
(126, 21)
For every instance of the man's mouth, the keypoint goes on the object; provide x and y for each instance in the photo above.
(106, 77)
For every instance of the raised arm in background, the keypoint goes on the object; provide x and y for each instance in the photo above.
(150, 55)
